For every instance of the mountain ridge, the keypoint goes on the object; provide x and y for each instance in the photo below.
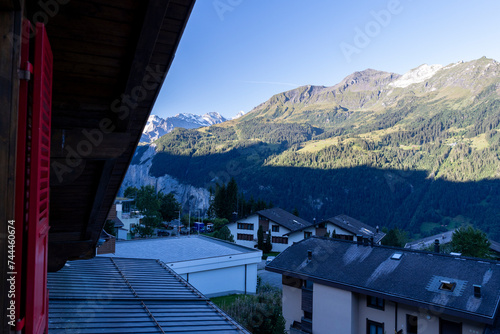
(353, 148)
(157, 126)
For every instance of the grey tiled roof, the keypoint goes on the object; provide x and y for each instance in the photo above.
(285, 218)
(356, 227)
(411, 279)
(116, 295)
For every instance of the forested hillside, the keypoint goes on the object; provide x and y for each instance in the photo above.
(389, 150)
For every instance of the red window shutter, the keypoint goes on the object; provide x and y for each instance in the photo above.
(38, 216)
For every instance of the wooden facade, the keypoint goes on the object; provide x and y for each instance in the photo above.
(110, 59)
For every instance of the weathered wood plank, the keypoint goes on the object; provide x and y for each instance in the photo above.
(10, 25)
(89, 143)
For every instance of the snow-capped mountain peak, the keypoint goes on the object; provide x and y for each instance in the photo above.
(157, 126)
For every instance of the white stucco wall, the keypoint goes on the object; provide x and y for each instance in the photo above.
(221, 275)
(292, 305)
(233, 227)
(334, 311)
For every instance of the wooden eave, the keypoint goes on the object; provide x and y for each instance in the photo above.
(110, 60)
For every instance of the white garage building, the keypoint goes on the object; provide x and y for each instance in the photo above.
(212, 266)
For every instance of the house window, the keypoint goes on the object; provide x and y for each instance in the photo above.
(244, 226)
(375, 302)
(275, 228)
(449, 327)
(344, 237)
(308, 285)
(447, 286)
(373, 327)
(308, 315)
(307, 234)
(246, 237)
(411, 324)
(280, 240)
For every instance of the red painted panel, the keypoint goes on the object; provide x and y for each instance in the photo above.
(38, 217)
(22, 140)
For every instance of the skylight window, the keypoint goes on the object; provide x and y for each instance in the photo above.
(396, 256)
(447, 286)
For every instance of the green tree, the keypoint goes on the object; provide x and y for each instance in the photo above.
(109, 227)
(268, 246)
(169, 207)
(260, 238)
(130, 192)
(148, 203)
(470, 242)
(224, 234)
(232, 197)
(395, 237)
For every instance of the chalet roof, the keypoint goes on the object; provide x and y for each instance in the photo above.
(117, 295)
(285, 218)
(356, 227)
(110, 61)
(414, 279)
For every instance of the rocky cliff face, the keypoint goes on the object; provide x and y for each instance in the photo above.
(191, 198)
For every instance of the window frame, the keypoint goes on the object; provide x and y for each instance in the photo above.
(275, 228)
(374, 323)
(245, 237)
(375, 303)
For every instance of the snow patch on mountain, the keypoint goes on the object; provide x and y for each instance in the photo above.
(238, 115)
(417, 75)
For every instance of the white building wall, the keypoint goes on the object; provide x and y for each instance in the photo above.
(233, 227)
(233, 280)
(334, 311)
(222, 275)
(341, 311)
(331, 227)
(292, 305)
(299, 236)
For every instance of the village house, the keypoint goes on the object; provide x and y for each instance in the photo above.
(348, 228)
(283, 227)
(339, 286)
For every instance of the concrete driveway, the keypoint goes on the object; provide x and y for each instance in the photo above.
(268, 277)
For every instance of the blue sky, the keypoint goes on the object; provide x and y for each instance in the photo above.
(235, 54)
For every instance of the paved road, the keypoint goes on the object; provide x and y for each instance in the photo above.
(267, 276)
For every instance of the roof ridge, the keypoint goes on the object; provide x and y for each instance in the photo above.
(477, 259)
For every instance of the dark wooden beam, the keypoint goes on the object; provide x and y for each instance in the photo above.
(10, 28)
(153, 21)
(94, 226)
(89, 143)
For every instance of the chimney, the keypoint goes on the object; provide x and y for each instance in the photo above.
(436, 246)
(477, 291)
(377, 228)
(359, 239)
(371, 241)
(309, 255)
